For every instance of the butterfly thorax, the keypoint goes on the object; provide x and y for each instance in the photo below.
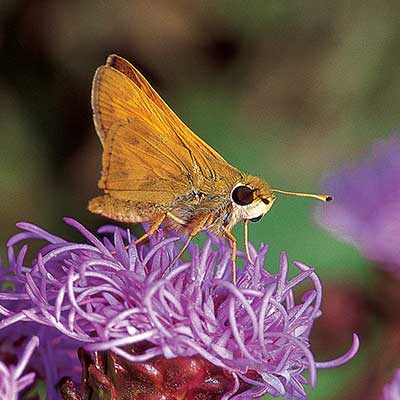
(217, 210)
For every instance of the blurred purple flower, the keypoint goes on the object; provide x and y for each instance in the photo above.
(366, 210)
(55, 357)
(11, 380)
(391, 391)
(108, 297)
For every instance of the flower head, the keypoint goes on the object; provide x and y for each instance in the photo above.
(110, 297)
(12, 382)
(391, 391)
(366, 209)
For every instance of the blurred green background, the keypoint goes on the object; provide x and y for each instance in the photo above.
(287, 90)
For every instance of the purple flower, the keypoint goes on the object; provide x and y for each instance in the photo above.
(391, 391)
(108, 297)
(366, 210)
(12, 382)
(55, 358)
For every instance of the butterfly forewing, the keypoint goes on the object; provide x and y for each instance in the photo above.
(116, 99)
(173, 122)
(144, 103)
(149, 153)
(136, 160)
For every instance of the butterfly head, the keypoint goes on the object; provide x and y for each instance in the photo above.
(251, 199)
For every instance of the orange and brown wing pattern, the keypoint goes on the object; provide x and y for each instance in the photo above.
(121, 94)
(171, 120)
(138, 165)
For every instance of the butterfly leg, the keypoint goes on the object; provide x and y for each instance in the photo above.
(233, 240)
(198, 228)
(175, 218)
(181, 251)
(152, 229)
(246, 240)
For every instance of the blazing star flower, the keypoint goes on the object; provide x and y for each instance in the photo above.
(12, 382)
(113, 298)
(391, 391)
(366, 210)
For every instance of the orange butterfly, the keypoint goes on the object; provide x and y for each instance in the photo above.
(155, 169)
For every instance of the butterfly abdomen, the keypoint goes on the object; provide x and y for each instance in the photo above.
(124, 210)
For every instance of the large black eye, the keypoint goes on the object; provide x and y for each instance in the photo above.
(242, 195)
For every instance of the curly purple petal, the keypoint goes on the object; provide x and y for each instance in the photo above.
(12, 382)
(107, 296)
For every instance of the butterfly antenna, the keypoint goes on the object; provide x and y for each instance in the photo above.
(322, 197)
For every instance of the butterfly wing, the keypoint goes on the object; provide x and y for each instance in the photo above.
(149, 153)
(117, 99)
(138, 165)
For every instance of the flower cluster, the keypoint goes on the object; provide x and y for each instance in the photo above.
(366, 209)
(12, 382)
(109, 294)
